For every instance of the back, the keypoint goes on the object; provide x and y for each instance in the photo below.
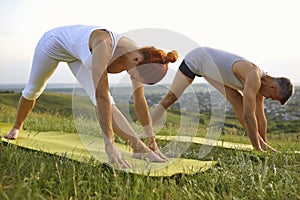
(215, 64)
(73, 42)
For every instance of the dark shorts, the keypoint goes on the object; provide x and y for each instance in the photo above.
(186, 71)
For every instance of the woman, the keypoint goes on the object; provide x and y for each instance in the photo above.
(241, 82)
(91, 53)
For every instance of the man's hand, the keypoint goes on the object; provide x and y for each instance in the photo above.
(115, 158)
(266, 147)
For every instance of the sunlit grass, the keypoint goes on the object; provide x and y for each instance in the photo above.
(27, 174)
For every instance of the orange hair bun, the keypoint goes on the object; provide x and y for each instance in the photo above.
(172, 56)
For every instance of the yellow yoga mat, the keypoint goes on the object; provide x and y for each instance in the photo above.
(210, 142)
(71, 146)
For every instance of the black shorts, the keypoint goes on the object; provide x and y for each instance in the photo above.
(186, 71)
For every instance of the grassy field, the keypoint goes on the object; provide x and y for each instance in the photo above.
(27, 174)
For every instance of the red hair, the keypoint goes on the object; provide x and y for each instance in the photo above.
(153, 55)
(154, 65)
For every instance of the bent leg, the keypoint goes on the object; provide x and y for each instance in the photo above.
(42, 68)
(179, 84)
(234, 97)
(24, 108)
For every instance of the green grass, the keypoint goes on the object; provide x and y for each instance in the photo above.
(27, 174)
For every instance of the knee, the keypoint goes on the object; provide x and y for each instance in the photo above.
(30, 94)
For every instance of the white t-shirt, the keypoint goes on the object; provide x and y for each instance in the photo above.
(70, 43)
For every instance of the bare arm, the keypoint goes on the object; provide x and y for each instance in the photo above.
(251, 87)
(261, 118)
(141, 107)
(236, 100)
(262, 123)
(100, 57)
(179, 84)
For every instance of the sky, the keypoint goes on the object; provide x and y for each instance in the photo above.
(266, 32)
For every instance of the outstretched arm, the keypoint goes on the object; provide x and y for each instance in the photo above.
(252, 118)
(100, 57)
(179, 84)
(141, 108)
(236, 99)
(262, 123)
(261, 118)
(124, 130)
(251, 88)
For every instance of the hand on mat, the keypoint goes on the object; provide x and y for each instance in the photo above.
(266, 147)
(149, 156)
(153, 146)
(161, 155)
(115, 158)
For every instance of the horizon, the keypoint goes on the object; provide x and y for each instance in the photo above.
(68, 85)
(267, 39)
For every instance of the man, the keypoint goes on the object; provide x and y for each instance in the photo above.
(241, 82)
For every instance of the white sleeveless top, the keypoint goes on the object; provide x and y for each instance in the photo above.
(215, 64)
(70, 43)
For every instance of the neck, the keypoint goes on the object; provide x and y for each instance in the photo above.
(119, 59)
(124, 46)
(267, 83)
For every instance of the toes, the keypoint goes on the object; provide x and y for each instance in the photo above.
(10, 137)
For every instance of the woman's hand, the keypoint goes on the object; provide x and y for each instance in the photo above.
(150, 156)
(151, 143)
(115, 158)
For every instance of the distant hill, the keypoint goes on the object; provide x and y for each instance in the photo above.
(57, 99)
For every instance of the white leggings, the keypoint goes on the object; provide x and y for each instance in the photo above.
(43, 66)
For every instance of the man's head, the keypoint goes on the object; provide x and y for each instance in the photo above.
(280, 89)
(285, 89)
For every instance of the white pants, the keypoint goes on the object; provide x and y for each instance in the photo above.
(43, 66)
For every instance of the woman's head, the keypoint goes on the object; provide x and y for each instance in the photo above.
(147, 65)
(152, 65)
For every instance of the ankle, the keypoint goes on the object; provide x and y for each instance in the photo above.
(17, 127)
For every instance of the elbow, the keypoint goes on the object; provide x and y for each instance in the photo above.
(169, 100)
(101, 97)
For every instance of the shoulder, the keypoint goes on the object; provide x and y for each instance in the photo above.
(99, 36)
(244, 68)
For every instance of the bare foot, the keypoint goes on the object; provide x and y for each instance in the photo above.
(13, 134)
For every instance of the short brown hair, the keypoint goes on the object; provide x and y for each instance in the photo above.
(285, 88)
